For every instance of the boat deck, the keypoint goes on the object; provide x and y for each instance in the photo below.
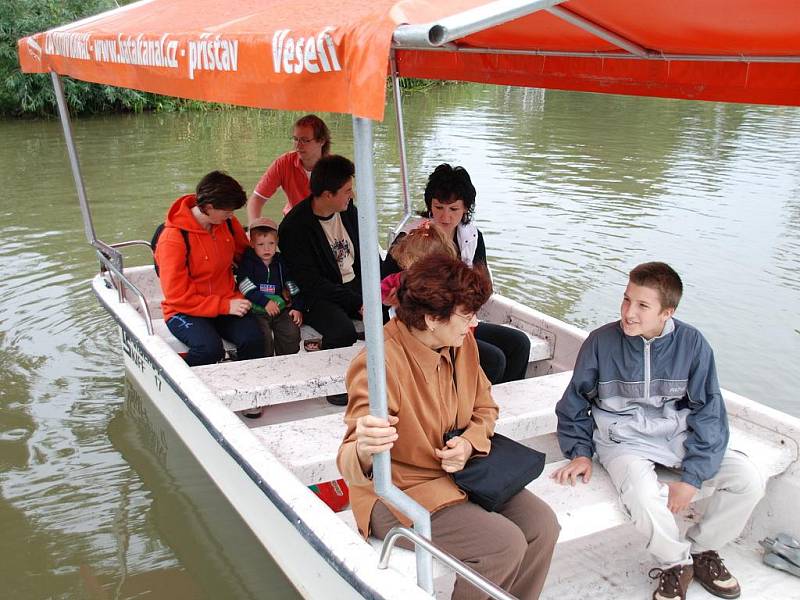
(615, 565)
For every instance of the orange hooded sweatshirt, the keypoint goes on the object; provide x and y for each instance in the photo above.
(206, 288)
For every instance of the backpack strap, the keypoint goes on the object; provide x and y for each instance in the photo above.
(185, 235)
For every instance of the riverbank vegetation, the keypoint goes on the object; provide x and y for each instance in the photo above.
(31, 95)
(412, 84)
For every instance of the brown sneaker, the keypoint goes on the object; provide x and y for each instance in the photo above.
(672, 582)
(710, 571)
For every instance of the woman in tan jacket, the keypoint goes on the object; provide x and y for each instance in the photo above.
(434, 385)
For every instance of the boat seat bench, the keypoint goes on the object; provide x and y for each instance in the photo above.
(308, 447)
(279, 379)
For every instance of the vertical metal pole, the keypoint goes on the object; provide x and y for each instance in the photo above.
(63, 113)
(373, 326)
(401, 136)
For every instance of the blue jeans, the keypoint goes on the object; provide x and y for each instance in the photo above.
(204, 336)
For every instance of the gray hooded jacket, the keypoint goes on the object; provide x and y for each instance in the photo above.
(658, 399)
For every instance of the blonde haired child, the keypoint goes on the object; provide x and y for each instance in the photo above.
(418, 243)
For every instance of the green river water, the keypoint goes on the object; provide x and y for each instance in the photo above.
(573, 190)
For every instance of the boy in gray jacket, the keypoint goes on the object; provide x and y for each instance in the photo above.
(645, 392)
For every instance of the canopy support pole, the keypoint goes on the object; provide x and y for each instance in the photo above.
(63, 113)
(401, 136)
(373, 326)
(596, 30)
(468, 22)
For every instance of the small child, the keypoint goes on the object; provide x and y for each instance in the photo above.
(263, 278)
(418, 243)
(644, 392)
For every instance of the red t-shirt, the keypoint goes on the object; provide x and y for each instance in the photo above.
(286, 172)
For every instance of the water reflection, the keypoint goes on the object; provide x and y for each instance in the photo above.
(213, 544)
(573, 190)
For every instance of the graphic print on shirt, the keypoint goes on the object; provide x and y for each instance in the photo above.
(341, 250)
(340, 244)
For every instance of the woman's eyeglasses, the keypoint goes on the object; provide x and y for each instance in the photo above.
(303, 140)
(470, 319)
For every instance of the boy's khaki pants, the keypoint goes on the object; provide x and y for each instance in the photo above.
(281, 335)
(738, 487)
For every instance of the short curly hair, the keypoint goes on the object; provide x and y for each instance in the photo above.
(448, 184)
(436, 285)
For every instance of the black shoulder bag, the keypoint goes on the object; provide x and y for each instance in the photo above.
(492, 480)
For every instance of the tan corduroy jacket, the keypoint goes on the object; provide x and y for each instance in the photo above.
(421, 393)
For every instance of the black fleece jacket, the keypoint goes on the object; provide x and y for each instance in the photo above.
(307, 252)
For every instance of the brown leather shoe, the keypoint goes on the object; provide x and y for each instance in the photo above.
(672, 582)
(710, 571)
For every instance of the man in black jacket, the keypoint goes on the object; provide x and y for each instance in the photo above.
(319, 240)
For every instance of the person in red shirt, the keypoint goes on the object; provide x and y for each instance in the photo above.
(291, 171)
(195, 255)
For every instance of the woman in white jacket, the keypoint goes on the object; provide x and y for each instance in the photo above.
(450, 203)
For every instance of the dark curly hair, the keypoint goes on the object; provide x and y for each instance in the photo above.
(448, 184)
(436, 285)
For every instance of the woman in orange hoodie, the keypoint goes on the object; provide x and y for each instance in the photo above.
(195, 255)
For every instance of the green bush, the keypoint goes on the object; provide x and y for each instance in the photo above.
(412, 84)
(24, 94)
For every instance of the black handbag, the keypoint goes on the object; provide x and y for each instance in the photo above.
(492, 480)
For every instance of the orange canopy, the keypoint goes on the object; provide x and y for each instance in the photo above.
(333, 56)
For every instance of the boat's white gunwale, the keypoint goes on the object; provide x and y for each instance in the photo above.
(359, 566)
(766, 417)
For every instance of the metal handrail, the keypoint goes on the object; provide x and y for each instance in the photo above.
(472, 576)
(395, 231)
(120, 277)
(132, 243)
